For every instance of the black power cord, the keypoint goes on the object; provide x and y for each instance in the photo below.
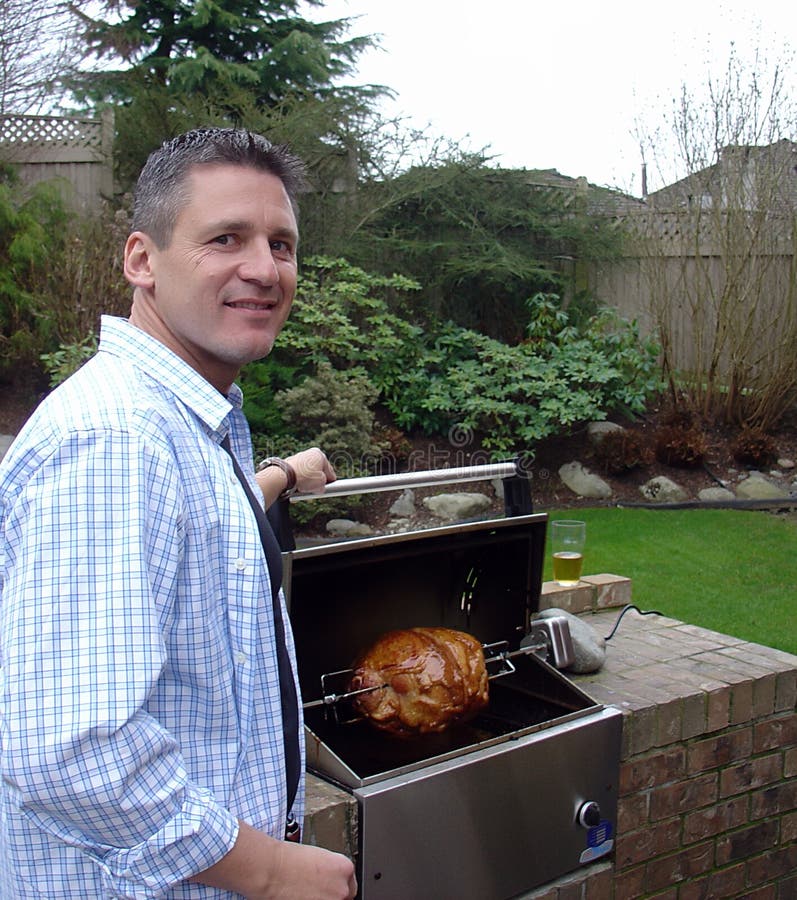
(625, 609)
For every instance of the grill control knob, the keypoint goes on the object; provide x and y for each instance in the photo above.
(589, 815)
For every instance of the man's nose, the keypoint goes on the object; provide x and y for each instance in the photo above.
(259, 264)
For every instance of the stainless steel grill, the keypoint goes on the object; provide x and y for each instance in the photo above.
(516, 797)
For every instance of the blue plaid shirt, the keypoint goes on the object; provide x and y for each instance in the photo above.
(139, 695)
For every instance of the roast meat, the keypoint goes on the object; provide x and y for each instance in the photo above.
(427, 679)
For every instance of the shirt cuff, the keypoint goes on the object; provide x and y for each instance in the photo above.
(199, 836)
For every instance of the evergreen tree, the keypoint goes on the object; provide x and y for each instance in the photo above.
(482, 240)
(209, 47)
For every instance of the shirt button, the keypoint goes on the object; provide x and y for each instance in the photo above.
(241, 657)
(240, 564)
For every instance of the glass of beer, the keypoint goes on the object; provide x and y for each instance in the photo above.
(567, 544)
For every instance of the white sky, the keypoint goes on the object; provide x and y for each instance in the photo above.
(557, 85)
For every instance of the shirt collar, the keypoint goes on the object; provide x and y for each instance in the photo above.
(119, 338)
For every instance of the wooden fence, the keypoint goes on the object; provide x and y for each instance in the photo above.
(76, 153)
(694, 289)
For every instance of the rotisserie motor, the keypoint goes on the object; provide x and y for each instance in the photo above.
(427, 679)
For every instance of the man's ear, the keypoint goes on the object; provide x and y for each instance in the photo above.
(138, 258)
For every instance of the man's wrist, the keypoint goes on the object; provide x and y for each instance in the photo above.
(287, 469)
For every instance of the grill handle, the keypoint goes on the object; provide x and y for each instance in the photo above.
(517, 493)
(400, 480)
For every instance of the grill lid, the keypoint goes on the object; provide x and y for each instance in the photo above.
(484, 578)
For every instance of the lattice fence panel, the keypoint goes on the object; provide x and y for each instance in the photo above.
(41, 131)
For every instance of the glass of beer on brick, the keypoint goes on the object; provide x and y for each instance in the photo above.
(567, 544)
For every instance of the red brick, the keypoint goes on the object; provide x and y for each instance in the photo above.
(718, 711)
(776, 733)
(775, 864)
(766, 892)
(764, 696)
(790, 763)
(630, 884)
(747, 842)
(753, 773)
(787, 888)
(652, 770)
(647, 843)
(599, 885)
(781, 798)
(632, 812)
(786, 692)
(699, 889)
(571, 892)
(708, 822)
(683, 796)
(720, 751)
(726, 883)
(788, 829)
(742, 703)
(672, 870)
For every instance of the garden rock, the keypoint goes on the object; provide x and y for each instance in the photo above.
(457, 506)
(348, 528)
(663, 490)
(589, 647)
(404, 506)
(597, 431)
(583, 482)
(757, 487)
(715, 493)
(786, 463)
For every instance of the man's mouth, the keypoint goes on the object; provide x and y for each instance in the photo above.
(251, 304)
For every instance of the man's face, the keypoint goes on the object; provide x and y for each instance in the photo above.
(220, 292)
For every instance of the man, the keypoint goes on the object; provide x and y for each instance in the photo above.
(142, 726)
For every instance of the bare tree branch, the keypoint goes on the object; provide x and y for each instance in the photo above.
(37, 49)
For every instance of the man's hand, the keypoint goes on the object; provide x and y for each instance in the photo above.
(313, 472)
(262, 868)
(311, 873)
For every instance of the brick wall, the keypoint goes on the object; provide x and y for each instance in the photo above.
(708, 781)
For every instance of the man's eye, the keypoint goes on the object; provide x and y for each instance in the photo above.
(223, 239)
(282, 247)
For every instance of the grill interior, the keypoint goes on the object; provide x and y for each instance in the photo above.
(515, 706)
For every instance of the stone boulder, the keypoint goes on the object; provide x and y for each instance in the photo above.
(715, 493)
(457, 506)
(597, 431)
(589, 647)
(404, 506)
(583, 482)
(757, 487)
(348, 528)
(663, 490)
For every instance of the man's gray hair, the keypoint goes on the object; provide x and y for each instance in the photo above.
(162, 188)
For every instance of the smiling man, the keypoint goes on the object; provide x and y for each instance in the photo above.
(151, 742)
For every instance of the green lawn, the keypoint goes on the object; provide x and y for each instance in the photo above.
(731, 571)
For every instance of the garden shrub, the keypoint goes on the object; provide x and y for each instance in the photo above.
(334, 410)
(752, 446)
(618, 452)
(32, 227)
(515, 396)
(441, 377)
(680, 445)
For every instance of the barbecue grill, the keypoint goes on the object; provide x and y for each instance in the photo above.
(521, 794)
